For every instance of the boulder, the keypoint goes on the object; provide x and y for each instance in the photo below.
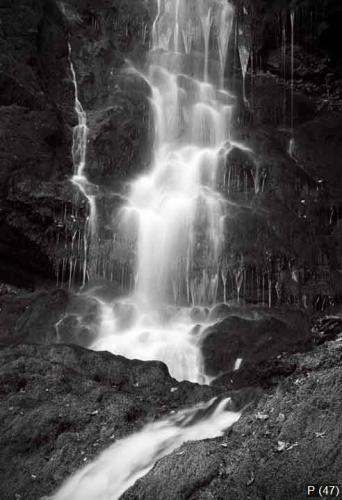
(242, 346)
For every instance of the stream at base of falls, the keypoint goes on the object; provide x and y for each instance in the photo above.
(118, 467)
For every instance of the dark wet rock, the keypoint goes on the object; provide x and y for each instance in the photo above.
(263, 374)
(273, 451)
(318, 143)
(276, 205)
(62, 405)
(119, 138)
(327, 327)
(32, 317)
(40, 211)
(256, 342)
(49, 317)
(220, 311)
(103, 289)
(35, 129)
(271, 103)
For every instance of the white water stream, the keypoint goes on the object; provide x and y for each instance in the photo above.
(118, 467)
(175, 212)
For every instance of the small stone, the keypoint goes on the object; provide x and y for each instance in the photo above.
(262, 416)
(282, 445)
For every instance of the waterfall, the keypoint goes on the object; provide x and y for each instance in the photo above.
(118, 467)
(175, 209)
(175, 215)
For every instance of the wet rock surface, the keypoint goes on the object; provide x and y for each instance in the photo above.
(31, 317)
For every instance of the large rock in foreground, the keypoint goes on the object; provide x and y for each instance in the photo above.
(61, 405)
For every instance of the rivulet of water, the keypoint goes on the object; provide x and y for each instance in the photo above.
(79, 178)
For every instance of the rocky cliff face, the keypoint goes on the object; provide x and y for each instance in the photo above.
(35, 126)
(107, 43)
(40, 209)
(284, 224)
(283, 230)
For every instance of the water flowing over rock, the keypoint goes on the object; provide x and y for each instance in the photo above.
(115, 471)
(174, 214)
(170, 192)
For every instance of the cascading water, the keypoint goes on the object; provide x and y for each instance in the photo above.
(79, 153)
(244, 48)
(118, 467)
(176, 208)
(175, 216)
